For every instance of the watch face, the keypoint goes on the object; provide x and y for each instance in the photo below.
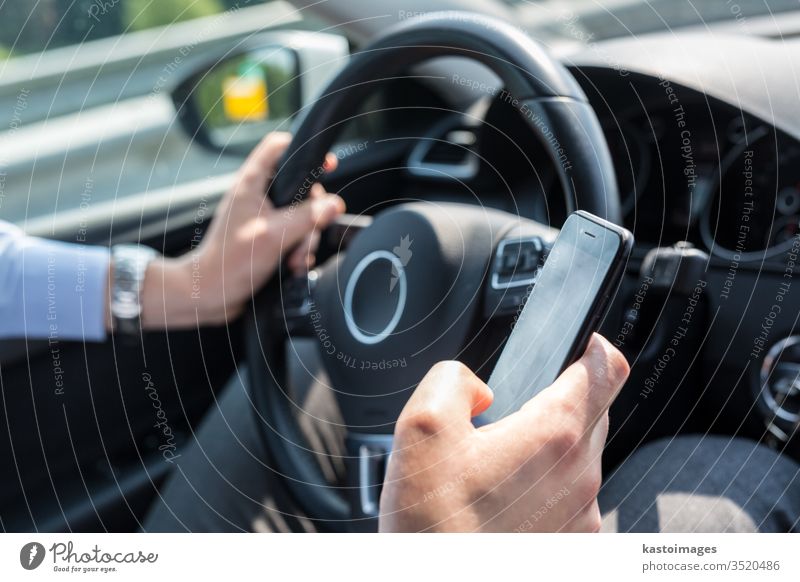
(130, 263)
(126, 309)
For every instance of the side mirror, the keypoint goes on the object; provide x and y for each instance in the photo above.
(232, 101)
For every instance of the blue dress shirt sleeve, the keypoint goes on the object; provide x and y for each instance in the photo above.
(51, 290)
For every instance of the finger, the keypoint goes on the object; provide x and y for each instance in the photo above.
(587, 519)
(599, 435)
(259, 167)
(293, 223)
(302, 258)
(570, 407)
(331, 162)
(317, 191)
(445, 401)
(588, 387)
(594, 381)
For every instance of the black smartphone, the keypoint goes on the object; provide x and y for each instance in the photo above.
(569, 299)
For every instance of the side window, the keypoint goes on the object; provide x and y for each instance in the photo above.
(85, 112)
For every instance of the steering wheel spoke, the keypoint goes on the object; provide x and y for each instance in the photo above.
(367, 460)
(338, 236)
(297, 291)
(297, 304)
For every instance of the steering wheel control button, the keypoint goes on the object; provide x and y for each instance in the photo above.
(375, 297)
(516, 266)
(516, 262)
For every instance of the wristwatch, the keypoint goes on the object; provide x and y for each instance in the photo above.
(130, 264)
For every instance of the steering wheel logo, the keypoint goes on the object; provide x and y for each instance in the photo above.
(397, 260)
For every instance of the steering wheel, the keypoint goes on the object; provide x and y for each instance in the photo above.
(389, 313)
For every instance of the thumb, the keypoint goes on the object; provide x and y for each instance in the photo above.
(295, 222)
(592, 383)
(586, 389)
(444, 402)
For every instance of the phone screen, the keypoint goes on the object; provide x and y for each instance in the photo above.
(563, 302)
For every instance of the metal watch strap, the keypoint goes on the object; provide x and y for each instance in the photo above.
(130, 263)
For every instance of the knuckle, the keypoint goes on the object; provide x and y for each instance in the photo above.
(451, 372)
(280, 137)
(420, 424)
(487, 493)
(452, 368)
(565, 443)
(248, 180)
(565, 407)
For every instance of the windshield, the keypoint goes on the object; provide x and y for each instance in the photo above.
(604, 19)
(27, 28)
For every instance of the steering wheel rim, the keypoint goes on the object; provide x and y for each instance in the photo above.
(556, 110)
(542, 88)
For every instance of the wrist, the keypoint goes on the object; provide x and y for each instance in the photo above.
(172, 295)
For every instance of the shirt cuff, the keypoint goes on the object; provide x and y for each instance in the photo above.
(63, 290)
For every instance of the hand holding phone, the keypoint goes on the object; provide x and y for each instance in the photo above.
(569, 299)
